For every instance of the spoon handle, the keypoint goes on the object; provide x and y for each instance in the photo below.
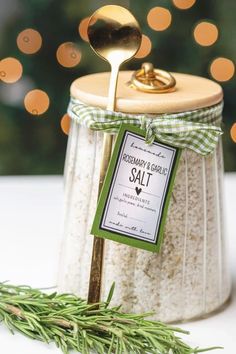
(113, 87)
(95, 281)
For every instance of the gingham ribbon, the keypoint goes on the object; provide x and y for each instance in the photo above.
(198, 130)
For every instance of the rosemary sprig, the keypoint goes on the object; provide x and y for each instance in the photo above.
(72, 323)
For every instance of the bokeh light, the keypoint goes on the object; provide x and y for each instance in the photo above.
(36, 102)
(10, 70)
(184, 4)
(145, 47)
(222, 69)
(68, 55)
(83, 29)
(205, 33)
(233, 132)
(65, 124)
(159, 18)
(29, 41)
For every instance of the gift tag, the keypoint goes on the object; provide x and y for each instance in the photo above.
(134, 199)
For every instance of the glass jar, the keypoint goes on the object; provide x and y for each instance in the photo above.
(189, 277)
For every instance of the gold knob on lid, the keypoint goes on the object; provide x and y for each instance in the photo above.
(149, 79)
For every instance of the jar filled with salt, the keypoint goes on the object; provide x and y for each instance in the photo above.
(188, 277)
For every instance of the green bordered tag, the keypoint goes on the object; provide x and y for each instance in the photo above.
(135, 196)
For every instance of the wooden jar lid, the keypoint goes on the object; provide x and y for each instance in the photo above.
(191, 92)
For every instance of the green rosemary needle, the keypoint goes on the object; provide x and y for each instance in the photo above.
(71, 323)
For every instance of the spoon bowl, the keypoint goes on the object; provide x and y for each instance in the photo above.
(114, 34)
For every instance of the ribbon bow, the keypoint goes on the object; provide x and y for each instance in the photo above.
(198, 130)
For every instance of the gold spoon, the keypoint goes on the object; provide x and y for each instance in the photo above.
(114, 34)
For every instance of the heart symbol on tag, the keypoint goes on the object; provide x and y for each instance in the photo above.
(138, 190)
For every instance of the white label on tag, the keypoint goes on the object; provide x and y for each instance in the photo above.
(139, 186)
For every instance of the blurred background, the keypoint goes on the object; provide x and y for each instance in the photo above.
(43, 48)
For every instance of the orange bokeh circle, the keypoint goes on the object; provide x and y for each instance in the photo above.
(233, 132)
(222, 69)
(184, 4)
(145, 47)
(65, 124)
(10, 70)
(68, 55)
(205, 33)
(83, 29)
(36, 102)
(159, 18)
(29, 41)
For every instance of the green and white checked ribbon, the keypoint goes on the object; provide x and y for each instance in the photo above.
(198, 130)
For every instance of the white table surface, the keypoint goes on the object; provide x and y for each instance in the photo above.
(31, 229)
